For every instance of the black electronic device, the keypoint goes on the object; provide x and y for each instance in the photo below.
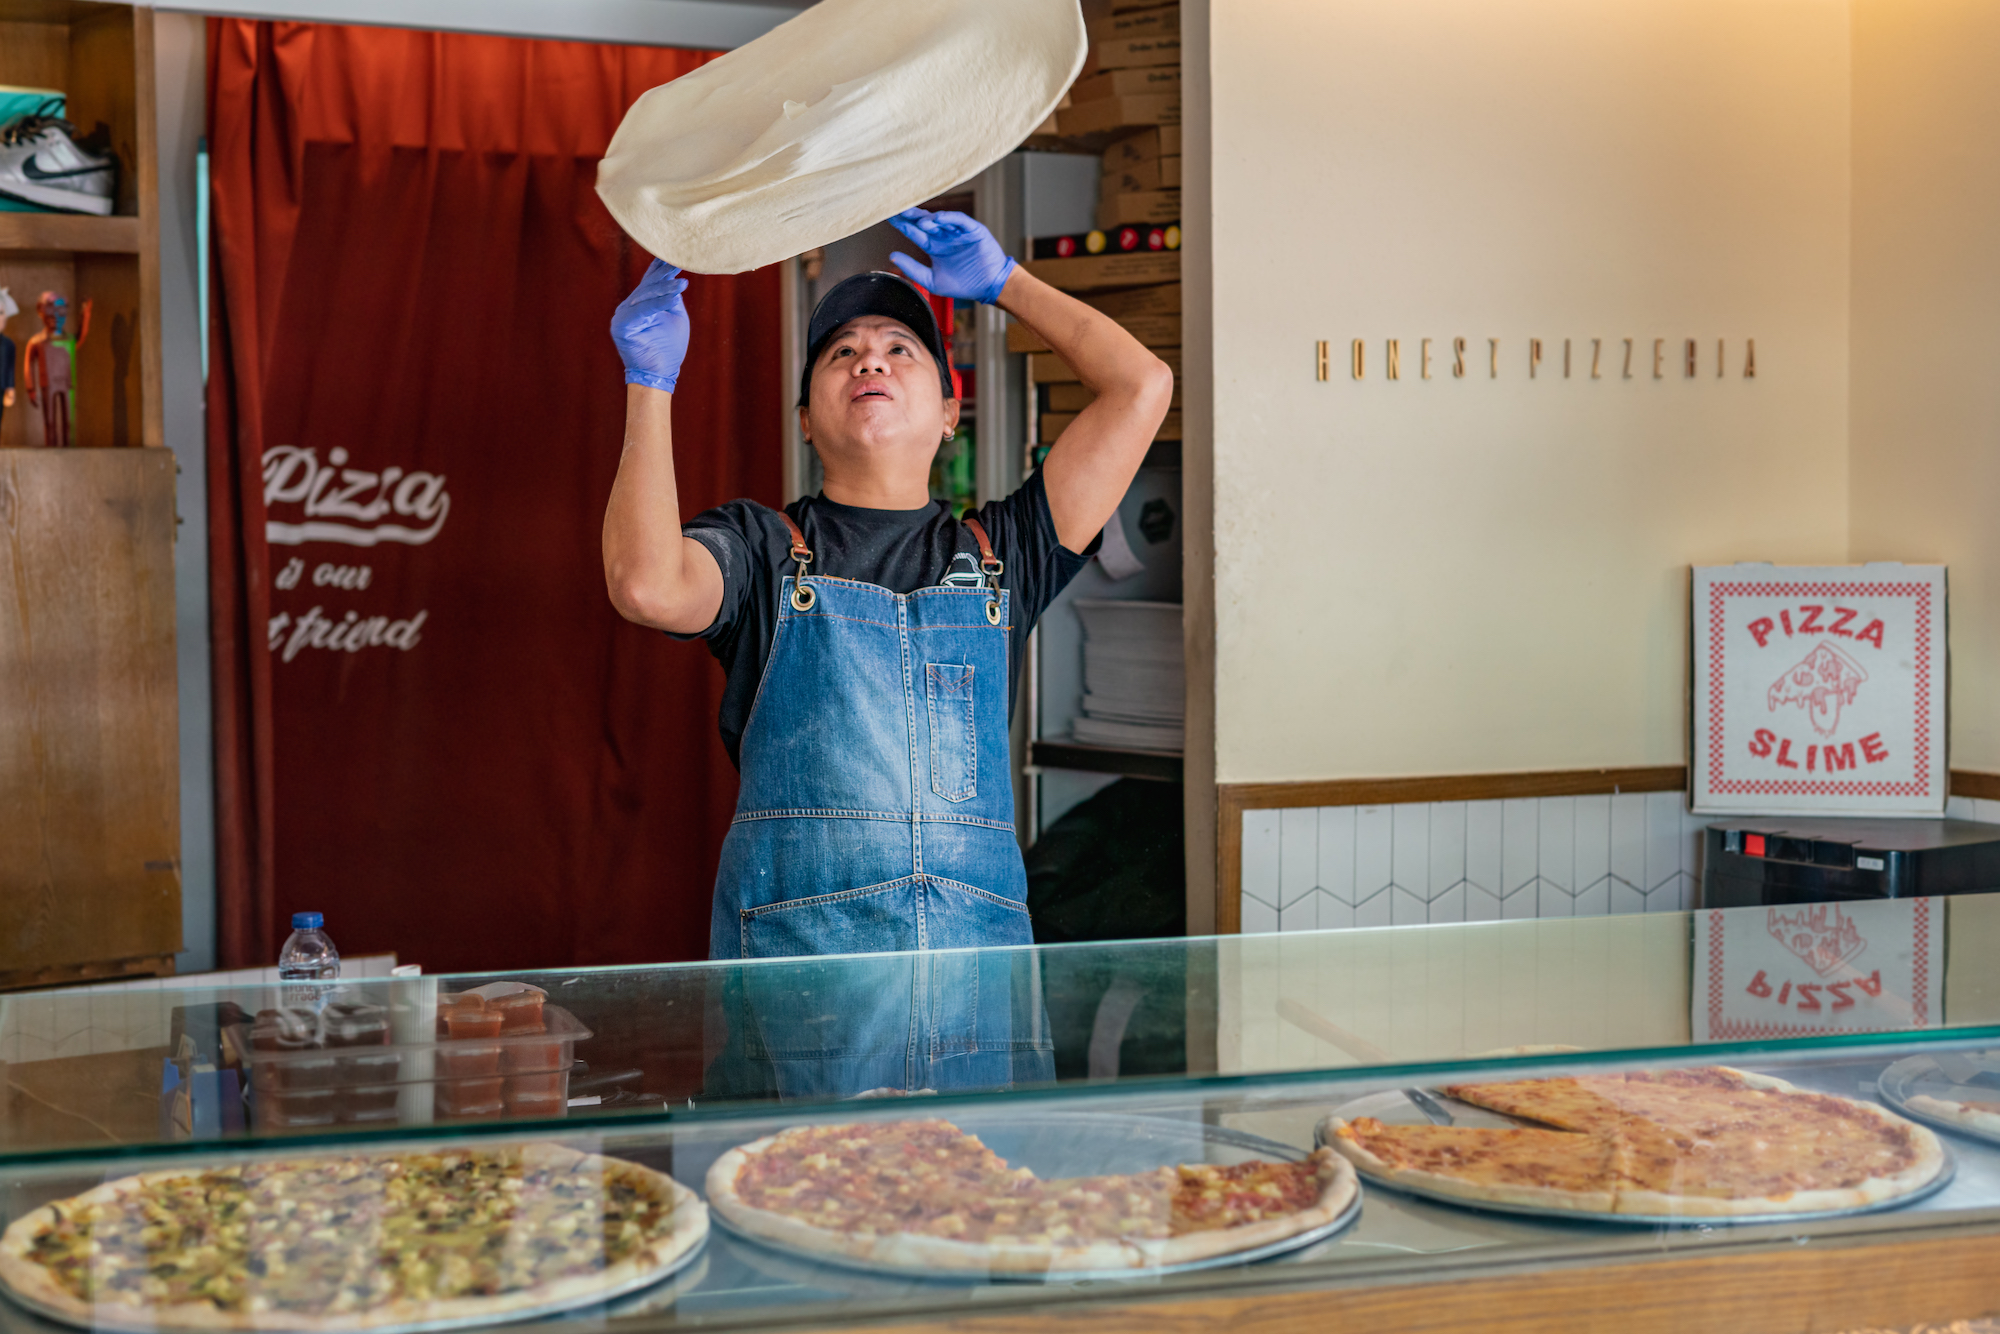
(1757, 860)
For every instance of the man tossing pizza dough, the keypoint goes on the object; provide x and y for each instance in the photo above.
(871, 640)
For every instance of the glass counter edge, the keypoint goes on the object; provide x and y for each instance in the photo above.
(1206, 1086)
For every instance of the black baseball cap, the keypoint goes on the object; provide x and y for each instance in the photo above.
(886, 294)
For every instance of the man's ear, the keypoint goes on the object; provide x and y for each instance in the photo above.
(805, 425)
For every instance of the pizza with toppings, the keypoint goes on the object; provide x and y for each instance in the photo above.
(355, 1242)
(927, 1195)
(1706, 1142)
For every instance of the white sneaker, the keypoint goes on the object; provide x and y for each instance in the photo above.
(41, 164)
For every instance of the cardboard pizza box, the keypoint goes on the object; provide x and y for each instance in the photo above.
(1164, 21)
(1146, 206)
(1155, 173)
(1085, 273)
(1162, 141)
(1076, 397)
(1163, 299)
(1109, 113)
(1154, 331)
(1818, 690)
(1126, 83)
(1134, 52)
(1053, 424)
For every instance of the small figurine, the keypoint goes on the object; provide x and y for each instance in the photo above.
(51, 364)
(8, 310)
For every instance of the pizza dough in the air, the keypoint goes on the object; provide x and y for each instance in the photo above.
(831, 122)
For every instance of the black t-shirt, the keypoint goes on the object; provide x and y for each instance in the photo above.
(902, 550)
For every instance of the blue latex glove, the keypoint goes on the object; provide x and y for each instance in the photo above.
(966, 262)
(650, 328)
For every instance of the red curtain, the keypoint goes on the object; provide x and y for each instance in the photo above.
(430, 724)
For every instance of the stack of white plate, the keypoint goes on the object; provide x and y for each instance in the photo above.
(1134, 675)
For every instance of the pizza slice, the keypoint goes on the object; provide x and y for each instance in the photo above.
(1553, 1169)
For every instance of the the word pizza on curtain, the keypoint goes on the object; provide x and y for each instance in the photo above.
(431, 726)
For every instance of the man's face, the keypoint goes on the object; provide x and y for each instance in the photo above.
(876, 398)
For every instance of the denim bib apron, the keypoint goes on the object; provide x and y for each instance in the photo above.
(876, 813)
(876, 809)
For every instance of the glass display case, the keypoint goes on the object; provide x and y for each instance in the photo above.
(1087, 1062)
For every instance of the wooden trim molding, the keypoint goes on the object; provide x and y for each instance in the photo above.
(1837, 1283)
(1971, 783)
(1232, 799)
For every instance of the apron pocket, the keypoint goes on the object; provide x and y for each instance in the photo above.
(954, 748)
(854, 921)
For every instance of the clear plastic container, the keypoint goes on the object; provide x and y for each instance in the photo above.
(308, 965)
(340, 1065)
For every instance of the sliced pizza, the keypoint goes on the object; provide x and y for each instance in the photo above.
(1702, 1142)
(926, 1195)
(354, 1242)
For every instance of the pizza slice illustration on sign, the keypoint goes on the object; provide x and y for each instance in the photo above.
(1820, 934)
(1826, 679)
(1818, 691)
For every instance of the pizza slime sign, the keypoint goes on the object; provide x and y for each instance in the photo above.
(1820, 684)
(1819, 690)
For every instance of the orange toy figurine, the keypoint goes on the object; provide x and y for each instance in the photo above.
(51, 364)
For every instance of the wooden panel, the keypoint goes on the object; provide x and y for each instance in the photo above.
(1969, 783)
(89, 763)
(103, 90)
(28, 275)
(67, 232)
(76, 974)
(152, 418)
(1833, 1284)
(110, 380)
(33, 55)
(1232, 799)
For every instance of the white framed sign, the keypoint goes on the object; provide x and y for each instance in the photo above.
(1819, 691)
(1801, 970)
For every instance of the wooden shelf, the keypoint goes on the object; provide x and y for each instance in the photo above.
(70, 232)
(1162, 765)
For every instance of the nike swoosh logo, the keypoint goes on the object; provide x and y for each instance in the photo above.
(35, 173)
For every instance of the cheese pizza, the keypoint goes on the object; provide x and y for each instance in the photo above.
(927, 1195)
(355, 1242)
(1707, 1142)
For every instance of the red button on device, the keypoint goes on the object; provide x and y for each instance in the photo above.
(1753, 845)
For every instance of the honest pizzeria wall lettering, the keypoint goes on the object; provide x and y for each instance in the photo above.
(1462, 358)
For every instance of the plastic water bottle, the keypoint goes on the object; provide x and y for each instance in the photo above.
(308, 963)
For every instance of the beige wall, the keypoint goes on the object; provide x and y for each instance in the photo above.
(1471, 575)
(1926, 317)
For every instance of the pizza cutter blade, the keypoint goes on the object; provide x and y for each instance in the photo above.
(1433, 1110)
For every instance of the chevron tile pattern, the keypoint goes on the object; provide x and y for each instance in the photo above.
(1316, 868)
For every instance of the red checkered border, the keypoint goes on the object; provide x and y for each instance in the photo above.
(1919, 786)
(1739, 1030)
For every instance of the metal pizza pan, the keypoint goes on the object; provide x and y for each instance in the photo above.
(1072, 1144)
(113, 1319)
(1924, 1074)
(1393, 1108)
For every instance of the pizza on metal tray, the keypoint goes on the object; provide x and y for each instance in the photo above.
(925, 1194)
(353, 1242)
(1705, 1142)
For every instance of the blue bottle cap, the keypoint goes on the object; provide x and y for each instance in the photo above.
(307, 921)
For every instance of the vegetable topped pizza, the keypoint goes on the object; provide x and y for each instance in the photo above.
(1705, 1142)
(927, 1195)
(353, 1242)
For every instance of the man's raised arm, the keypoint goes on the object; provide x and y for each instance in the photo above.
(656, 575)
(1090, 468)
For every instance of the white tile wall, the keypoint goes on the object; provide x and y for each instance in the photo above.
(1313, 868)
(125, 1016)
